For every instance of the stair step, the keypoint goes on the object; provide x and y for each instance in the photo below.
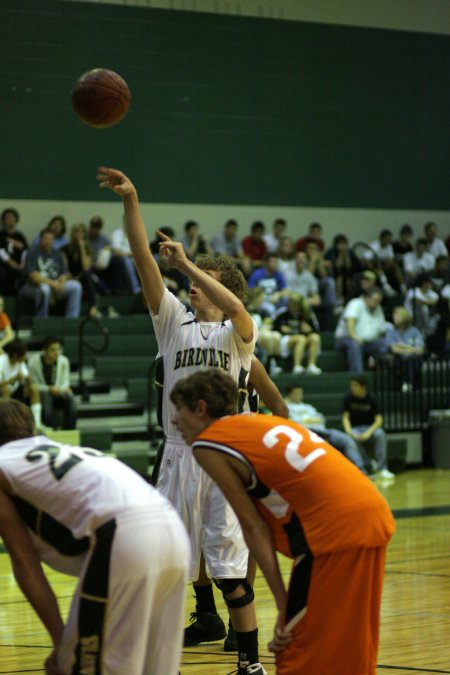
(94, 387)
(109, 409)
(130, 434)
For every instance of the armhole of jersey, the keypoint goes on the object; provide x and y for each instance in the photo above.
(231, 452)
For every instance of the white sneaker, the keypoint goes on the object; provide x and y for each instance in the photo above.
(406, 388)
(275, 369)
(313, 369)
(386, 474)
(297, 370)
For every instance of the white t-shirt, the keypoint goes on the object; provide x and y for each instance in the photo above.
(368, 325)
(8, 370)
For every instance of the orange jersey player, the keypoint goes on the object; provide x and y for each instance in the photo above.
(294, 493)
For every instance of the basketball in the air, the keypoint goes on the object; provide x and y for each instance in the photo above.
(101, 98)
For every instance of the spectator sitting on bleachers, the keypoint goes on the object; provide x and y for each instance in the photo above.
(108, 268)
(389, 271)
(57, 226)
(194, 243)
(322, 270)
(6, 332)
(361, 419)
(286, 256)
(78, 257)
(299, 334)
(418, 261)
(440, 275)
(50, 371)
(48, 279)
(300, 280)
(308, 416)
(272, 282)
(361, 328)
(273, 238)
(16, 382)
(228, 243)
(344, 264)
(403, 244)
(407, 345)
(435, 246)
(421, 302)
(315, 233)
(121, 248)
(13, 247)
(254, 246)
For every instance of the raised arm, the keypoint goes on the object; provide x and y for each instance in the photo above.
(148, 270)
(217, 293)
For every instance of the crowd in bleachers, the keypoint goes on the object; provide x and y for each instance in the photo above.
(298, 286)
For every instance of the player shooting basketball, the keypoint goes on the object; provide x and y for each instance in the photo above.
(218, 333)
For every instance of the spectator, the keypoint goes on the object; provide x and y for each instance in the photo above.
(300, 280)
(273, 238)
(193, 242)
(308, 416)
(389, 271)
(121, 248)
(48, 279)
(363, 281)
(299, 335)
(360, 329)
(403, 244)
(78, 257)
(228, 243)
(315, 233)
(6, 332)
(407, 345)
(418, 261)
(440, 275)
(361, 419)
(321, 269)
(272, 282)
(344, 264)
(16, 382)
(254, 245)
(421, 302)
(13, 247)
(50, 371)
(108, 268)
(435, 246)
(286, 256)
(56, 225)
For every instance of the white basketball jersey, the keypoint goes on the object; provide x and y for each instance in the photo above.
(187, 345)
(64, 493)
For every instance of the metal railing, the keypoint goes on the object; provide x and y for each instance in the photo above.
(83, 345)
(407, 393)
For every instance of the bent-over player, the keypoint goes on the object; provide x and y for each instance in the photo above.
(218, 333)
(85, 514)
(296, 494)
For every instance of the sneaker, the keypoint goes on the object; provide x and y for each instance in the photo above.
(43, 430)
(205, 627)
(386, 474)
(298, 370)
(275, 369)
(312, 369)
(406, 387)
(230, 642)
(249, 669)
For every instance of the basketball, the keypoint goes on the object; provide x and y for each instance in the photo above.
(101, 98)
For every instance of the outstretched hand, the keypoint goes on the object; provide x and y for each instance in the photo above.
(115, 180)
(172, 250)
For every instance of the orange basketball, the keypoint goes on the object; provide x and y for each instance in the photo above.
(101, 98)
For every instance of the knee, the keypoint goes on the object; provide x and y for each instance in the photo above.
(236, 592)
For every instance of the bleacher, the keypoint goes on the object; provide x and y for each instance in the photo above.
(116, 406)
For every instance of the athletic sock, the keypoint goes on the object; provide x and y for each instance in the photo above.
(36, 409)
(204, 597)
(248, 646)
